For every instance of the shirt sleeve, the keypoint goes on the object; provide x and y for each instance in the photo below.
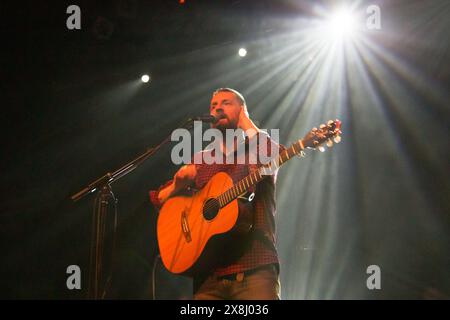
(154, 195)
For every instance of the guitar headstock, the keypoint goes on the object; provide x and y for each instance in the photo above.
(325, 133)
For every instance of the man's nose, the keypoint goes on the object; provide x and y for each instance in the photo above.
(218, 111)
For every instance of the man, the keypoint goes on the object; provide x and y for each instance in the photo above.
(255, 273)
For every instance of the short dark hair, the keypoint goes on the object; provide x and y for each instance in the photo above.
(238, 95)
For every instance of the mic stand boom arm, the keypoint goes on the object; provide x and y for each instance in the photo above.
(103, 184)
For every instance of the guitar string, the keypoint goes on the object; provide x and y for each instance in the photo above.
(210, 205)
(230, 192)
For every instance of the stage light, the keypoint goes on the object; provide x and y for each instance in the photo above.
(145, 78)
(342, 24)
(242, 52)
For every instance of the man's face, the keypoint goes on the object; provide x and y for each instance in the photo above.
(225, 105)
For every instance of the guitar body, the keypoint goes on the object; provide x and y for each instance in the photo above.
(192, 238)
(197, 233)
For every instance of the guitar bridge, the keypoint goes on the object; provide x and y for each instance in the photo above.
(185, 227)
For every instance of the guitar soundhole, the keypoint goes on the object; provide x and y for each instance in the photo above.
(210, 209)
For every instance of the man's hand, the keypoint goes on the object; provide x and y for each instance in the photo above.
(183, 178)
(245, 123)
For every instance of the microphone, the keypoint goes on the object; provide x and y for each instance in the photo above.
(206, 118)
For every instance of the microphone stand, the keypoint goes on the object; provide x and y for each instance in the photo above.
(104, 196)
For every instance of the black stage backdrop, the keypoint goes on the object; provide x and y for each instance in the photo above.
(73, 108)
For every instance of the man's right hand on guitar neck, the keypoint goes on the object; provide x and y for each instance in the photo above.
(183, 178)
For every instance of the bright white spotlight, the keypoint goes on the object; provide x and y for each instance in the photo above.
(242, 52)
(145, 78)
(342, 24)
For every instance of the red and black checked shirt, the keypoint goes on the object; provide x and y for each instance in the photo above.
(264, 211)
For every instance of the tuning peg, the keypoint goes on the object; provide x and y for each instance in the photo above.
(330, 122)
(321, 148)
(329, 143)
(322, 126)
(337, 139)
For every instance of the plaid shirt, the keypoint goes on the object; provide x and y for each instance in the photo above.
(263, 211)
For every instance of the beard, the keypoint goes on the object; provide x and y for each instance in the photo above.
(223, 124)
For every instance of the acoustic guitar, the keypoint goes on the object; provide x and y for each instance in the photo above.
(195, 232)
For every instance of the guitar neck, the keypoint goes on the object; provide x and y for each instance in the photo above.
(244, 185)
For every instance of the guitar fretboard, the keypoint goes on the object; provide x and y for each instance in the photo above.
(252, 179)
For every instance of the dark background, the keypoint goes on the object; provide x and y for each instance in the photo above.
(73, 108)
